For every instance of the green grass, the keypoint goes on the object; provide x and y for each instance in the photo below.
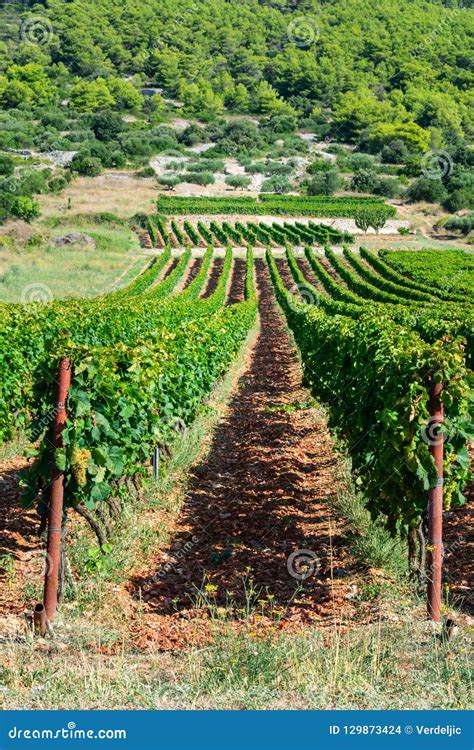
(369, 540)
(14, 447)
(384, 665)
(74, 271)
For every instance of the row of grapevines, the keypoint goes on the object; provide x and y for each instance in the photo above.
(125, 400)
(332, 287)
(246, 232)
(277, 234)
(154, 233)
(145, 279)
(325, 234)
(372, 375)
(269, 204)
(157, 221)
(449, 270)
(280, 234)
(304, 233)
(376, 261)
(413, 295)
(29, 333)
(192, 234)
(232, 233)
(220, 233)
(308, 200)
(356, 284)
(177, 232)
(204, 232)
(261, 232)
(430, 321)
(311, 295)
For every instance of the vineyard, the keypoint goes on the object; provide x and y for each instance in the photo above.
(240, 234)
(270, 204)
(236, 373)
(376, 337)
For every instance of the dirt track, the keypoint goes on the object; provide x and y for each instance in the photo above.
(256, 507)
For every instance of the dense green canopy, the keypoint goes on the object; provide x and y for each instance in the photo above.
(381, 62)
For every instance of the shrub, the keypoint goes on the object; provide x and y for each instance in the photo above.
(459, 199)
(280, 123)
(257, 167)
(34, 181)
(100, 151)
(206, 165)
(169, 181)
(242, 136)
(107, 125)
(192, 135)
(425, 189)
(146, 172)
(56, 184)
(386, 186)
(460, 185)
(86, 165)
(356, 162)
(324, 183)
(200, 178)
(320, 165)
(395, 152)
(364, 181)
(277, 168)
(25, 208)
(117, 159)
(462, 224)
(136, 145)
(163, 138)
(238, 181)
(337, 149)
(54, 119)
(7, 165)
(276, 184)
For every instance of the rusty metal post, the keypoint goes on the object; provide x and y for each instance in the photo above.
(435, 504)
(40, 621)
(55, 518)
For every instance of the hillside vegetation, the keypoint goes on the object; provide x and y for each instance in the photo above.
(408, 62)
(102, 81)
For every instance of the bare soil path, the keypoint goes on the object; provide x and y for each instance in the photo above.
(257, 507)
(216, 270)
(193, 272)
(170, 268)
(237, 284)
(21, 556)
